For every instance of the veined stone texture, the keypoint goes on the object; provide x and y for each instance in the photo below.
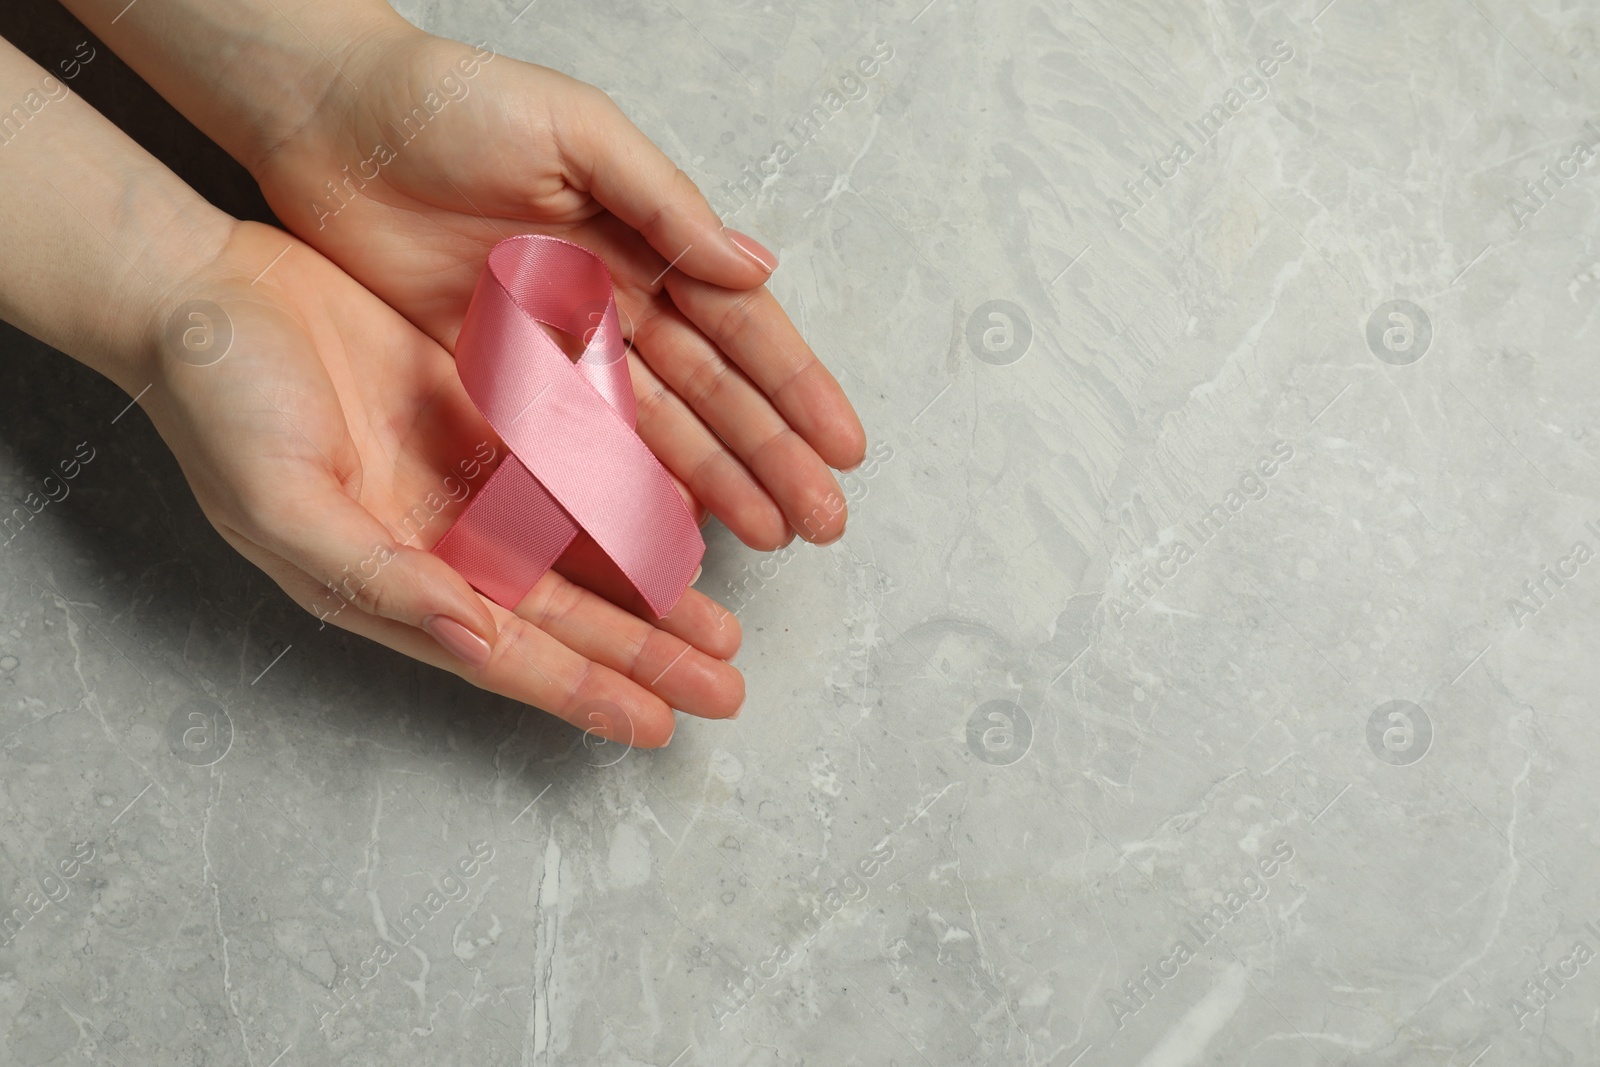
(1200, 680)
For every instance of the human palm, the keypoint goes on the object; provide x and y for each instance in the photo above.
(407, 180)
(329, 418)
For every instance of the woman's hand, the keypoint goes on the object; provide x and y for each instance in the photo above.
(425, 152)
(323, 434)
(325, 437)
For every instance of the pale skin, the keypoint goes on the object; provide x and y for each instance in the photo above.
(338, 408)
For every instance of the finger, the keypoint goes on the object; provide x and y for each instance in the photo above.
(695, 618)
(720, 394)
(526, 664)
(697, 509)
(751, 329)
(361, 566)
(608, 156)
(539, 669)
(714, 476)
(670, 667)
(705, 624)
(535, 668)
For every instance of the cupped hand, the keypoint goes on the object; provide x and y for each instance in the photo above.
(425, 152)
(332, 432)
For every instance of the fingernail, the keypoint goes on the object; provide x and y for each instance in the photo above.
(754, 249)
(852, 470)
(696, 577)
(458, 640)
(738, 711)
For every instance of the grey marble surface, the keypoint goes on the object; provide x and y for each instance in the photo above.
(1201, 680)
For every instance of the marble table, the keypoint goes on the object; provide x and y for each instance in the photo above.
(1199, 681)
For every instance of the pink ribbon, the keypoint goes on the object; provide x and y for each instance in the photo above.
(576, 462)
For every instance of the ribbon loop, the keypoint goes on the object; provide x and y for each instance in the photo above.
(575, 461)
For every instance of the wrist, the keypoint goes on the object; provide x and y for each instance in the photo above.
(158, 312)
(318, 72)
(248, 73)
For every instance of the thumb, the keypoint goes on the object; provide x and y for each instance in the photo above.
(361, 567)
(620, 167)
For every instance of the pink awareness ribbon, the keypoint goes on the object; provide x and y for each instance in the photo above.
(575, 461)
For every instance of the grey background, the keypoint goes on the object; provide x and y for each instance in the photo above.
(991, 772)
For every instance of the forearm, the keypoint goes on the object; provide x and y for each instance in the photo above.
(248, 73)
(99, 234)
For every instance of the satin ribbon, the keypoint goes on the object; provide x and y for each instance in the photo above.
(575, 461)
